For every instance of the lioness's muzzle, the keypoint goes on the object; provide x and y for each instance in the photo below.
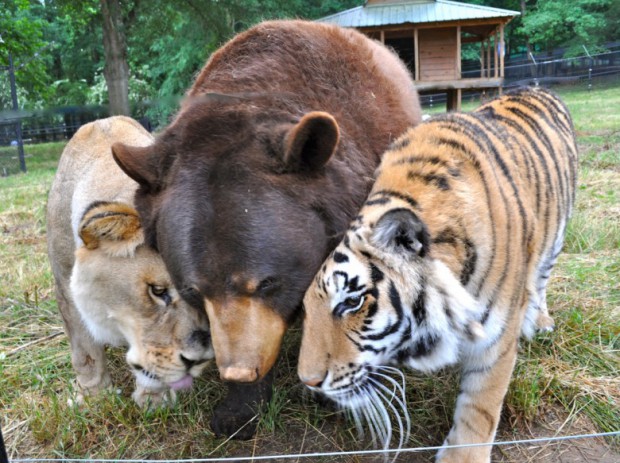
(246, 337)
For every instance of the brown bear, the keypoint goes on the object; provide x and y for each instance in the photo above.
(255, 181)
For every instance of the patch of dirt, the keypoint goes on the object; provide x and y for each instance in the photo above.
(556, 422)
(320, 439)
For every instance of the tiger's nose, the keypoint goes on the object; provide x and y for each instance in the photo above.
(313, 381)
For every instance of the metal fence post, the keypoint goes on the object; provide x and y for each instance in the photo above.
(535, 69)
(18, 125)
(591, 61)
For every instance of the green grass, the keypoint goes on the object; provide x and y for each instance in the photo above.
(566, 377)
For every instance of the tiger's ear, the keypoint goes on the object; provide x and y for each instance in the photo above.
(311, 142)
(401, 231)
(141, 163)
(113, 227)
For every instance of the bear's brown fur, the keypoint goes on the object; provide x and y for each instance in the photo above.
(256, 179)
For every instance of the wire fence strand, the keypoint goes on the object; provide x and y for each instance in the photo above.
(324, 454)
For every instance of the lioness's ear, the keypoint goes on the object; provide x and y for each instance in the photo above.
(113, 227)
(401, 231)
(141, 163)
(311, 142)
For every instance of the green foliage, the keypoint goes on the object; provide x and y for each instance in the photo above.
(75, 29)
(170, 42)
(568, 23)
(547, 24)
(21, 29)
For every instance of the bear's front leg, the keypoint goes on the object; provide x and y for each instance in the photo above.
(232, 417)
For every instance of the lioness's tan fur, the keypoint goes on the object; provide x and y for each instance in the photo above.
(110, 287)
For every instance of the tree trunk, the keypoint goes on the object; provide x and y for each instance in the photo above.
(528, 46)
(116, 69)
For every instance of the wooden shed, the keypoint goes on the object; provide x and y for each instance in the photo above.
(429, 34)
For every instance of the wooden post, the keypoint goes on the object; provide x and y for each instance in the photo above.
(489, 56)
(416, 54)
(495, 54)
(453, 100)
(458, 52)
(382, 36)
(502, 50)
(482, 59)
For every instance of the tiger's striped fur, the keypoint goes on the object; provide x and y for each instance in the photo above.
(447, 262)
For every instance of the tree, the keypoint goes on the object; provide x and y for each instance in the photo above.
(567, 23)
(116, 70)
(548, 24)
(170, 41)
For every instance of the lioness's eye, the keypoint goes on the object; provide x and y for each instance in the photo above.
(160, 292)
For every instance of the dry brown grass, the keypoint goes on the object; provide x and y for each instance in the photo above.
(566, 382)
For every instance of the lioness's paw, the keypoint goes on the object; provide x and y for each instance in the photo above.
(80, 392)
(153, 398)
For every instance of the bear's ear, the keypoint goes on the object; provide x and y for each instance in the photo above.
(402, 232)
(113, 227)
(311, 142)
(141, 163)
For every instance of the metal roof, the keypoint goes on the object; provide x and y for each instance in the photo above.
(415, 12)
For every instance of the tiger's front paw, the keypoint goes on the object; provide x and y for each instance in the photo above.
(544, 323)
(153, 398)
(464, 455)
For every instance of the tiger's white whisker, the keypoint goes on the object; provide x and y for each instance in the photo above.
(396, 371)
(404, 433)
(396, 386)
(400, 428)
(382, 418)
(371, 428)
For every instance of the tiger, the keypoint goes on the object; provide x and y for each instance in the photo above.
(447, 263)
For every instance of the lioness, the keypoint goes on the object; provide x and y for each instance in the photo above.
(110, 287)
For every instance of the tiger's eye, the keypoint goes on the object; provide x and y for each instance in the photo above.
(349, 305)
(352, 301)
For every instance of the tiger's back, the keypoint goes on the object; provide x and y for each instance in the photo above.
(448, 260)
(539, 124)
(508, 172)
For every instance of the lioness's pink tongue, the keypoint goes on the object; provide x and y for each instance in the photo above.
(184, 383)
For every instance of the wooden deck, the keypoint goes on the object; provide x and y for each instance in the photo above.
(458, 84)
(454, 88)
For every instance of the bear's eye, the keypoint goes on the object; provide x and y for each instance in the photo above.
(267, 286)
(350, 304)
(160, 292)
